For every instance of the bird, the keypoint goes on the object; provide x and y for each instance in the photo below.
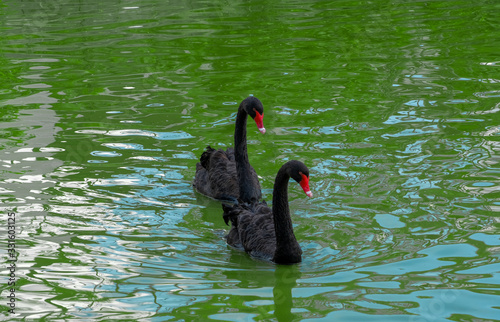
(267, 233)
(227, 175)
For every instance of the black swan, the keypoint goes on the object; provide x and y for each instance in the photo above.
(265, 233)
(219, 172)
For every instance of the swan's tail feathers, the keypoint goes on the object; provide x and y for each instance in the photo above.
(231, 212)
(228, 212)
(205, 157)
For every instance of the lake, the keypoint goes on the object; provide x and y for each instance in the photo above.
(107, 106)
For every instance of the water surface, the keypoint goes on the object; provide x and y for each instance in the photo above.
(394, 107)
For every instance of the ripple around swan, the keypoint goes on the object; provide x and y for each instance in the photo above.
(177, 135)
(128, 146)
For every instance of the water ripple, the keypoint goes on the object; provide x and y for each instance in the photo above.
(107, 108)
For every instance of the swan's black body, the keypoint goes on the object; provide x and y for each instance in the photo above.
(227, 175)
(265, 233)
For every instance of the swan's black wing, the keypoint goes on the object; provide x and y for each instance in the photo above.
(216, 175)
(252, 229)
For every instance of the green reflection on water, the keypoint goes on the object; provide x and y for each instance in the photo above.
(393, 106)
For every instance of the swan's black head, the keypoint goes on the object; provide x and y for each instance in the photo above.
(253, 106)
(300, 173)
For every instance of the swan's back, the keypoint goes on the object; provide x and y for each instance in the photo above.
(252, 229)
(216, 175)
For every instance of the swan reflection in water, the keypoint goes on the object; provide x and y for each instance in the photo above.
(285, 280)
(261, 276)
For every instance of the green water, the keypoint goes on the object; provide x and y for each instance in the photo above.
(394, 107)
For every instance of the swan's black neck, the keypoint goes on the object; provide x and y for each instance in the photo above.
(241, 157)
(287, 248)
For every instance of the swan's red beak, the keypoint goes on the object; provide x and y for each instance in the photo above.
(259, 120)
(304, 183)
